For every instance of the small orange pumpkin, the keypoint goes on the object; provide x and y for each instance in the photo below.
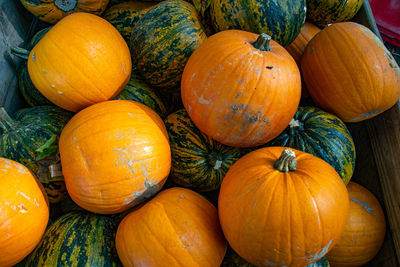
(114, 155)
(178, 227)
(365, 230)
(282, 207)
(81, 61)
(24, 212)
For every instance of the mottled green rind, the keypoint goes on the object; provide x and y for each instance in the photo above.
(323, 12)
(198, 161)
(323, 135)
(138, 90)
(281, 19)
(163, 40)
(77, 239)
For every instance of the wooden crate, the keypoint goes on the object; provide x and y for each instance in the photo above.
(377, 140)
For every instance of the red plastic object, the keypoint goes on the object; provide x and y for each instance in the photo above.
(387, 17)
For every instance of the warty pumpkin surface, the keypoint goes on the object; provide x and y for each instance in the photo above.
(114, 155)
(237, 91)
(178, 227)
(81, 61)
(350, 73)
(280, 206)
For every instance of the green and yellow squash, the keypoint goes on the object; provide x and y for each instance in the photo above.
(280, 19)
(31, 139)
(323, 135)
(77, 239)
(124, 16)
(163, 40)
(138, 90)
(198, 161)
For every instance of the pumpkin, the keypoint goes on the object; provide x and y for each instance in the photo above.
(323, 135)
(324, 12)
(198, 161)
(233, 101)
(52, 11)
(163, 40)
(31, 139)
(114, 154)
(281, 19)
(124, 16)
(280, 206)
(365, 230)
(297, 47)
(350, 73)
(138, 90)
(24, 212)
(77, 239)
(176, 228)
(98, 72)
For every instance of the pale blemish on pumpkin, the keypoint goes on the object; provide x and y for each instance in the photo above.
(22, 209)
(52, 86)
(189, 108)
(366, 115)
(354, 239)
(203, 101)
(182, 196)
(22, 194)
(34, 57)
(321, 253)
(44, 72)
(364, 204)
(130, 114)
(59, 92)
(21, 169)
(183, 246)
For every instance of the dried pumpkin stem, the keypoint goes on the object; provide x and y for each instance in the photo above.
(286, 162)
(263, 42)
(6, 123)
(20, 52)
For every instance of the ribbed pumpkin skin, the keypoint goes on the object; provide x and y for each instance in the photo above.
(176, 228)
(297, 47)
(52, 11)
(98, 72)
(236, 93)
(350, 73)
(324, 12)
(281, 19)
(77, 239)
(323, 135)
(24, 212)
(272, 218)
(365, 230)
(138, 90)
(163, 40)
(125, 15)
(114, 154)
(198, 161)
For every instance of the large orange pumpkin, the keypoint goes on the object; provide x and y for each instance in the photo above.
(176, 228)
(24, 212)
(282, 207)
(349, 72)
(240, 88)
(114, 155)
(365, 230)
(81, 61)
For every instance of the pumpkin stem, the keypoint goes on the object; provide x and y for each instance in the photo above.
(6, 123)
(20, 52)
(263, 42)
(286, 162)
(215, 160)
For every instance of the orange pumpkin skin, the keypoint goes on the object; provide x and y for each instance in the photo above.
(350, 73)
(272, 218)
(365, 230)
(24, 212)
(237, 94)
(297, 47)
(114, 155)
(81, 61)
(178, 227)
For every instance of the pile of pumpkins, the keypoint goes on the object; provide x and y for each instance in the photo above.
(171, 134)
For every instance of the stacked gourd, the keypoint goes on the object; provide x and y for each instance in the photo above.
(163, 101)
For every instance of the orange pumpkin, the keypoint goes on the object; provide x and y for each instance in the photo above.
(114, 155)
(240, 88)
(365, 230)
(297, 47)
(81, 61)
(176, 228)
(24, 212)
(282, 207)
(349, 72)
